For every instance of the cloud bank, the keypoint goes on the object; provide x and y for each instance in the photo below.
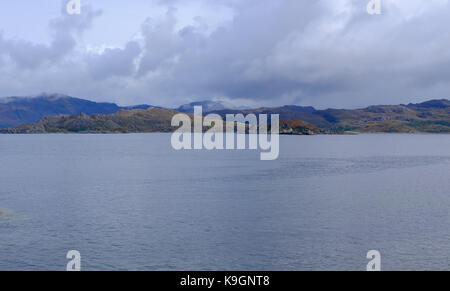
(327, 53)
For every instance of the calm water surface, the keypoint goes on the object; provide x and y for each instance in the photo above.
(130, 202)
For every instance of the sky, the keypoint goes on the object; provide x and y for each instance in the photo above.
(324, 53)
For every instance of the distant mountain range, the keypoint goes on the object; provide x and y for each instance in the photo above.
(60, 113)
(15, 111)
(129, 121)
(19, 110)
(431, 116)
(124, 121)
(208, 106)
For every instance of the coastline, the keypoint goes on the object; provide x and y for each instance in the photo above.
(281, 134)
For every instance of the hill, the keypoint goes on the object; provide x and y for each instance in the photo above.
(124, 121)
(431, 116)
(129, 121)
(19, 110)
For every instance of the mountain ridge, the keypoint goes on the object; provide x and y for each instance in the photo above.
(429, 116)
(207, 106)
(16, 110)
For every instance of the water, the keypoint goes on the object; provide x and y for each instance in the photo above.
(129, 202)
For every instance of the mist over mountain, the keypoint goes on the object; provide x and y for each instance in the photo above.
(208, 106)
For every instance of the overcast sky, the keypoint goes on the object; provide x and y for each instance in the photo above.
(325, 53)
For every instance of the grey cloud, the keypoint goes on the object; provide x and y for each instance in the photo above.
(114, 62)
(64, 32)
(348, 58)
(162, 43)
(323, 53)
